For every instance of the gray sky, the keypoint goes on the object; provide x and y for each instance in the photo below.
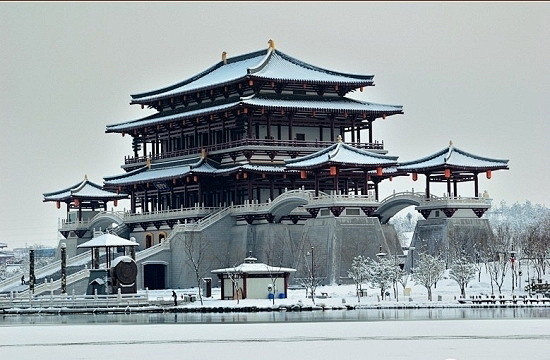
(473, 73)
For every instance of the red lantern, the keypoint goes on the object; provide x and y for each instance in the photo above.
(415, 176)
(379, 171)
(195, 178)
(488, 174)
(447, 173)
(116, 202)
(391, 178)
(245, 175)
(237, 176)
(333, 170)
(303, 174)
(58, 205)
(76, 202)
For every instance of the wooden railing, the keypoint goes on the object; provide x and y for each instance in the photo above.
(250, 142)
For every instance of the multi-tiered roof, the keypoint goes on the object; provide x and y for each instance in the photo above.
(241, 119)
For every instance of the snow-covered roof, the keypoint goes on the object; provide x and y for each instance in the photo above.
(343, 155)
(83, 190)
(159, 171)
(321, 104)
(268, 102)
(453, 158)
(267, 64)
(250, 266)
(107, 240)
(160, 117)
(166, 171)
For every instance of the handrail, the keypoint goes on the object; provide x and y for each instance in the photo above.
(250, 142)
(51, 268)
(120, 214)
(56, 284)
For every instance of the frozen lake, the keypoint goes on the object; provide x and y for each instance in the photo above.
(522, 333)
(282, 316)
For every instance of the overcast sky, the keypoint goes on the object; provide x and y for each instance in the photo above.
(473, 73)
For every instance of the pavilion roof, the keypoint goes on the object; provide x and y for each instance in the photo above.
(175, 169)
(269, 64)
(321, 104)
(344, 155)
(83, 190)
(455, 159)
(250, 266)
(154, 172)
(107, 240)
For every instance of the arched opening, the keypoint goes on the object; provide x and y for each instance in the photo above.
(148, 240)
(154, 276)
(162, 237)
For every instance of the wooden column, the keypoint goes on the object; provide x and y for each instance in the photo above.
(476, 185)
(331, 128)
(427, 185)
(455, 188)
(370, 131)
(353, 130)
(316, 174)
(449, 187)
(268, 125)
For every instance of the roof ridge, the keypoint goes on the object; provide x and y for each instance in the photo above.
(262, 63)
(208, 70)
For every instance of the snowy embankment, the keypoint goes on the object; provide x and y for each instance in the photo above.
(334, 297)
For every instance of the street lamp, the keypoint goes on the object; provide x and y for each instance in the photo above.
(411, 249)
(513, 260)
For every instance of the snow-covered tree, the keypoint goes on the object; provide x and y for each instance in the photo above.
(462, 271)
(428, 271)
(381, 273)
(358, 273)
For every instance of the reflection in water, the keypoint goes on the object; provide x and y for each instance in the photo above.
(282, 316)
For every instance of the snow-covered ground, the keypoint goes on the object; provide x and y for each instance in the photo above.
(445, 293)
(460, 339)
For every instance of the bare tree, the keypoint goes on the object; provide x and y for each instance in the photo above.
(499, 247)
(429, 270)
(196, 249)
(536, 244)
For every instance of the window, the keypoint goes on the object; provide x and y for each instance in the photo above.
(301, 137)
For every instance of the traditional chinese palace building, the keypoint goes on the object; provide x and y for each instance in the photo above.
(265, 153)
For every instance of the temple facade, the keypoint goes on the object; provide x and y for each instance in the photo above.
(263, 153)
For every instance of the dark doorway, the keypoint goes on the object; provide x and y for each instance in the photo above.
(154, 276)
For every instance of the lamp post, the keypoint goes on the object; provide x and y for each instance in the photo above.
(63, 268)
(411, 249)
(312, 273)
(513, 260)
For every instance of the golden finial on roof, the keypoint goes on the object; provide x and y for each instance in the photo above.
(339, 138)
(450, 143)
(85, 177)
(224, 57)
(203, 154)
(148, 163)
(271, 44)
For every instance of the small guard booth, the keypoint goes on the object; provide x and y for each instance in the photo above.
(253, 280)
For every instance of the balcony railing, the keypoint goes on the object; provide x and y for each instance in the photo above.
(250, 142)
